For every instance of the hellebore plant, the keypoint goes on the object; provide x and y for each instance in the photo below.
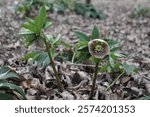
(34, 32)
(99, 49)
(92, 47)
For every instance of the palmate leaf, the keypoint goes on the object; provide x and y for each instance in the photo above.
(14, 88)
(37, 24)
(95, 33)
(81, 36)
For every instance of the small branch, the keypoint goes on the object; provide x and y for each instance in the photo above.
(114, 81)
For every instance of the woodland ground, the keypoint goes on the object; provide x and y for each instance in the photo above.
(133, 34)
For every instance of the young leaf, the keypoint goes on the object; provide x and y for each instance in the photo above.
(82, 44)
(111, 62)
(117, 55)
(30, 27)
(83, 56)
(47, 25)
(41, 19)
(82, 36)
(26, 32)
(95, 33)
(29, 39)
(29, 55)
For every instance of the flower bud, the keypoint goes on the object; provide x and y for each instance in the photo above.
(98, 48)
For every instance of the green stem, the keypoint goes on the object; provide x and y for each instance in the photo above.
(114, 81)
(60, 88)
(94, 80)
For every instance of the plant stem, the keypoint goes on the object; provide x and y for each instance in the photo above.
(114, 81)
(94, 80)
(60, 88)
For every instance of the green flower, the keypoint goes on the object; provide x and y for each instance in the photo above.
(98, 48)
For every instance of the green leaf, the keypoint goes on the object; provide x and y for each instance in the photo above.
(95, 60)
(29, 39)
(40, 20)
(29, 55)
(56, 39)
(30, 27)
(104, 68)
(14, 88)
(82, 45)
(30, 21)
(41, 58)
(65, 44)
(5, 96)
(26, 33)
(7, 73)
(95, 33)
(82, 57)
(145, 98)
(114, 49)
(109, 69)
(47, 25)
(111, 62)
(81, 36)
(129, 68)
(112, 43)
(117, 55)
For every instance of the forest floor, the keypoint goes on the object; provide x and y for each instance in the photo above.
(132, 33)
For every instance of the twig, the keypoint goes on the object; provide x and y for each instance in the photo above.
(114, 81)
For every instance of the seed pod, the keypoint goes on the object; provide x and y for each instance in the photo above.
(98, 48)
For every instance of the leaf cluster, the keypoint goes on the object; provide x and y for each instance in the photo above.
(112, 62)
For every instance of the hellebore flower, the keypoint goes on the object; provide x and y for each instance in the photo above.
(98, 48)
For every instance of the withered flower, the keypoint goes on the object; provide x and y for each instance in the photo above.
(98, 48)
